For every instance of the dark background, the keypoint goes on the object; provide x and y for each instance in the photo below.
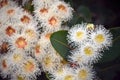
(106, 12)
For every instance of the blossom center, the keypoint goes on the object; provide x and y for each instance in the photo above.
(68, 77)
(4, 47)
(20, 78)
(82, 74)
(4, 64)
(17, 57)
(43, 10)
(48, 35)
(29, 66)
(62, 8)
(30, 33)
(3, 3)
(79, 35)
(60, 71)
(99, 38)
(52, 21)
(37, 49)
(21, 43)
(11, 12)
(10, 31)
(25, 19)
(48, 61)
(88, 50)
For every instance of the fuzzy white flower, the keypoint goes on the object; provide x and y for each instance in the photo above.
(19, 42)
(4, 66)
(51, 23)
(63, 10)
(16, 59)
(45, 38)
(43, 3)
(101, 37)
(38, 51)
(86, 53)
(50, 62)
(10, 13)
(84, 73)
(31, 33)
(9, 29)
(5, 3)
(90, 52)
(26, 18)
(30, 69)
(41, 13)
(76, 58)
(77, 34)
(17, 76)
(64, 73)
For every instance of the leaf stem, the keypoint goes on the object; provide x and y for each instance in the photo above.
(62, 43)
(116, 39)
(114, 28)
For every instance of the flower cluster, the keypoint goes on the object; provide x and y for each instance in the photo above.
(89, 41)
(25, 48)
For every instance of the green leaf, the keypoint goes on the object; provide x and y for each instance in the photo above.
(59, 42)
(85, 13)
(114, 51)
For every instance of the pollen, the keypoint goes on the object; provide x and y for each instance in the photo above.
(48, 35)
(11, 12)
(62, 8)
(52, 21)
(90, 26)
(88, 50)
(17, 57)
(79, 35)
(29, 66)
(3, 3)
(48, 61)
(37, 49)
(99, 38)
(4, 64)
(20, 78)
(10, 31)
(43, 10)
(60, 71)
(68, 77)
(82, 74)
(21, 43)
(4, 47)
(25, 19)
(30, 33)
